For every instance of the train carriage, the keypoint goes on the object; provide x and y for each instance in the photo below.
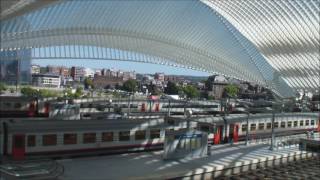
(20, 138)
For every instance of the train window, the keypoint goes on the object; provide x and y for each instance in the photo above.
(49, 140)
(301, 122)
(268, 125)
(276, 124)
(140, 135)
(155, 133)
(312, 122)
(17, 105)
(307, 122)
(289, 123)
(107, 136)
(7, 104)
(89, 138)
(295, 123)
(19, 142)
(70, 139)
(261, 126)
(283, 124)
(244, 127)
(31, 141)
(205, 128)
(253, 127)
(170, 121)
(124, 135)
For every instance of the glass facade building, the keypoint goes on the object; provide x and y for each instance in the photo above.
(17, 68)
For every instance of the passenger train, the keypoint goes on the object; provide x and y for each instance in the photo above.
(17, 106)
(21, 139)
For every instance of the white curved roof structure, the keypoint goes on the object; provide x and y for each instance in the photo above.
(208, 36)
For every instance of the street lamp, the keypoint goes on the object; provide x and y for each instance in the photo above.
(247, 131)
(272, 130)
(189, 114)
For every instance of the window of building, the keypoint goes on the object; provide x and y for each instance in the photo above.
(295, 123)
(31, 141)
(283, 124)
(155, 133)
(289, 123)
(253, 127)
(261, 126)
(312, 122)
(124, 135)
(307, 122)
(70, 139)
(301, 122)
(244, 127)
(268, 125)
(49, 140)
(89, 138)
(140, 135)
(276, 124)
(107, 136)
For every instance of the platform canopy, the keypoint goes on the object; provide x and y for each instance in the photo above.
(270, 43)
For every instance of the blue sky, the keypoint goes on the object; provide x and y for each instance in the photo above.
(123, 65)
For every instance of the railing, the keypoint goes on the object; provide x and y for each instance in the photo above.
(35, 170)
(285, 141)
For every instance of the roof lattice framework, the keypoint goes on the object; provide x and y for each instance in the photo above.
(233, 38)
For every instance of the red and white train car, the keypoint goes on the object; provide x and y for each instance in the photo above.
(20, 138)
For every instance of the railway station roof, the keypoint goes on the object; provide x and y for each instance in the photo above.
(271, 43)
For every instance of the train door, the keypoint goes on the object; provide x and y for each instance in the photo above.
(46, 109)
(218, 135)
(18, 146)
(157, 107)
(32, 108)
(233, 133)
(143, 107)
(236, 133)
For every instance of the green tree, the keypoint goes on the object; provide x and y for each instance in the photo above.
(78, 93)
(88, 83)
(3, 88)
(47, 93)
(130, 85)
(231, 90)
(154, 90)
(191, 91)
(29, 92)
(171, 88)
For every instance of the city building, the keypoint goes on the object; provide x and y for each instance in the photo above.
(64, 72)
(35, 69)
(159, 77)
(46, 80)
(53, 70)
(106, 82)
(77, 73)
(15, 67)
(220, 82)
(88, 72)
(97, 72)
(129, 75)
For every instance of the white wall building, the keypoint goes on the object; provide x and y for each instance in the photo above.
(46, 80)
(88, 72)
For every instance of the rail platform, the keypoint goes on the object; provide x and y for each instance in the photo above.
(225, 160)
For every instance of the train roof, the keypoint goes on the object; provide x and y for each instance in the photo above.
(83, 125)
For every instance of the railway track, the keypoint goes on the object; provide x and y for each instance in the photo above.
(308, 168)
